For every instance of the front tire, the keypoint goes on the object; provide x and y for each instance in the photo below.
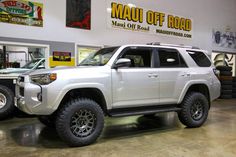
(195, 107)
(80, 122)
(7, 107)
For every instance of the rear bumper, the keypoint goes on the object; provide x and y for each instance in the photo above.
(215, 90)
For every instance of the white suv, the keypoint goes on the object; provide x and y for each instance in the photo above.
(120, 81)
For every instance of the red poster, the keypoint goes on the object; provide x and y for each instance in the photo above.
(78, 14)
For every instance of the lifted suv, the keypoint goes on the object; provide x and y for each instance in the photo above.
(120, 81)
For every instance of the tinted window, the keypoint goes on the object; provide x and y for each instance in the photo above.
(140, 57)
(200, 58)
(170, 58)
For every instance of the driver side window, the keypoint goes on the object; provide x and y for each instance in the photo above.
(140, 57)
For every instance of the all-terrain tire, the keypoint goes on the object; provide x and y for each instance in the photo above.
(195, 107)
(225, 73)
(80, 122)
(226, 92)
(234, 95)
(226, 87)
(226, 82)
(224, 68)
(226, 96)
(7, 100)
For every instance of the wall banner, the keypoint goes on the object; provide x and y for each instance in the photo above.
(61, 56)
(135, 18)
(21, 12)
(61, 59)
(78, 14)
(224, 39)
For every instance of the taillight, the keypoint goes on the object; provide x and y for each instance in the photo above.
(216, 72)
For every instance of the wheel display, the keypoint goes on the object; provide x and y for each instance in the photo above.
(224, 68)
(226, 96)
(194, 111)
(80, 122)
(234, 95)
(225, 78)
(226, 92)
(226, 82)
(226, 87)
(7, 107)
(225, 73)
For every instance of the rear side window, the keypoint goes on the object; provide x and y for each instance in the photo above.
(200, 58)
(170, 58)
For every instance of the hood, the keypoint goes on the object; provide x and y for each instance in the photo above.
(13, 70)
(61, 69)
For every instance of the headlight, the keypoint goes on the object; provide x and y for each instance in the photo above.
(43, 79)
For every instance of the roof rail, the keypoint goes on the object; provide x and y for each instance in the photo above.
(173, 45)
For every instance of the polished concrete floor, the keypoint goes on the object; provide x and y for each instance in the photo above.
(137, 136)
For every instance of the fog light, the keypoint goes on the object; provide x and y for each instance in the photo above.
(39, 96)
(22, 102)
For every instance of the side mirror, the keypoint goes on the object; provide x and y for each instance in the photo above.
(122, 62)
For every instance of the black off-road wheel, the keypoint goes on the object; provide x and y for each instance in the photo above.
(7, 107)
(80, 122)
(195, 107)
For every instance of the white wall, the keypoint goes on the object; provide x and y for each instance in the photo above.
(206, 15)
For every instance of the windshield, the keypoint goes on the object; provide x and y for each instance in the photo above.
(31, 64)
(99, 58)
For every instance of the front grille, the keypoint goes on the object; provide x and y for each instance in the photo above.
(21, 91)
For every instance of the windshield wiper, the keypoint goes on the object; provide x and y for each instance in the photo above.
(86, 64)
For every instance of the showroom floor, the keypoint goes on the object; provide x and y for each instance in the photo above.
(130, 136)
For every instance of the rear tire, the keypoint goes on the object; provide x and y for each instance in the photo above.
(80, 122)
(7, 107)
(194, 111)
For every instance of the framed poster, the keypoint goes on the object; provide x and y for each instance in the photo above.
(21, 12)
(59, 58)
(78, 14)
(62, 56)
(224, 40)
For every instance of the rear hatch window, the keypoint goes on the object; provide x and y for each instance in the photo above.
(200, 58)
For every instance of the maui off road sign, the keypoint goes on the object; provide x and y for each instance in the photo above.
(138, 19)
(21, 12)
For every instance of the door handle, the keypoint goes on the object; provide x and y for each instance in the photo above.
(151, 75)
(185, 75)
(155, 75)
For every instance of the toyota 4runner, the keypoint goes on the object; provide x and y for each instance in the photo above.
(120, 81)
